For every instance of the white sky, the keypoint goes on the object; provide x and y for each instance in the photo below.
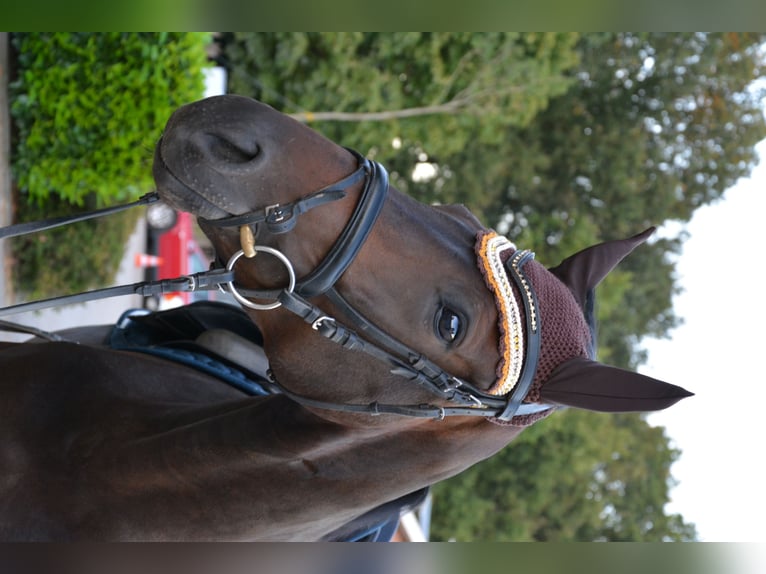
(716, 354)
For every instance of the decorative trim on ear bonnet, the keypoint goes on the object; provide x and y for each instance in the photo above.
(555, 325)
(545, 341)
(492, 251)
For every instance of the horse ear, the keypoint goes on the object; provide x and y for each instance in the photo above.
(585, 269)
(586, 384)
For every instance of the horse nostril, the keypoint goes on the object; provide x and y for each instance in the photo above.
(227, 153)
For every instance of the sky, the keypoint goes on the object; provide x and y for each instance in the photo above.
(716, 354)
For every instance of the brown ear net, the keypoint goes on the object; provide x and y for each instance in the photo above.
(565, 375)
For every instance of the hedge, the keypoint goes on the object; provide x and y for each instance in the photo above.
(87, 110)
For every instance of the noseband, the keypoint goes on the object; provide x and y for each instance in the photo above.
(403, 360)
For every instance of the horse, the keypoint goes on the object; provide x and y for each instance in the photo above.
(402, 343)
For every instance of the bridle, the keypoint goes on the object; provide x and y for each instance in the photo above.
(402, 360)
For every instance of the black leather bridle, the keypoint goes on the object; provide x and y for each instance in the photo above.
(402, 360)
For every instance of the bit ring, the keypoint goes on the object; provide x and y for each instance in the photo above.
(261, 306)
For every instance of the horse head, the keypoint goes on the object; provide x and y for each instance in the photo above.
(454, 306)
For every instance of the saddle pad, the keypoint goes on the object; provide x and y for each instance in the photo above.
(180, 335)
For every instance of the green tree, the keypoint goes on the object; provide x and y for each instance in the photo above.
(654, 127)
(87, 106)
(473, 84)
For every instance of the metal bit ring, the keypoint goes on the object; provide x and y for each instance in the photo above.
(261, 306)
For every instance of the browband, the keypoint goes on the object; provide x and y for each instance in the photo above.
(518, 361)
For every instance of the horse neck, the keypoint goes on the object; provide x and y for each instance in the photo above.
(308, 474)
(359, 468)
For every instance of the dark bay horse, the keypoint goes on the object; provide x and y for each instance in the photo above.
(406, 343)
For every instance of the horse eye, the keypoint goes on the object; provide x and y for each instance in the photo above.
(447, 325)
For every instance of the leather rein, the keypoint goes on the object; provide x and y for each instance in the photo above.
(403, 361)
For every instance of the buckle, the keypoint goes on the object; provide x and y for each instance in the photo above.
(318, 323)
(280, 218)
(273, 213)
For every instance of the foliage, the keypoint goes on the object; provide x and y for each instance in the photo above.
(495, 80)
(87, 110)
(656, 126)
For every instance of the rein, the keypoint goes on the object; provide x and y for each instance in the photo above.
(403, 361)
(206, 280)
(53, 222)
(203, 281)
